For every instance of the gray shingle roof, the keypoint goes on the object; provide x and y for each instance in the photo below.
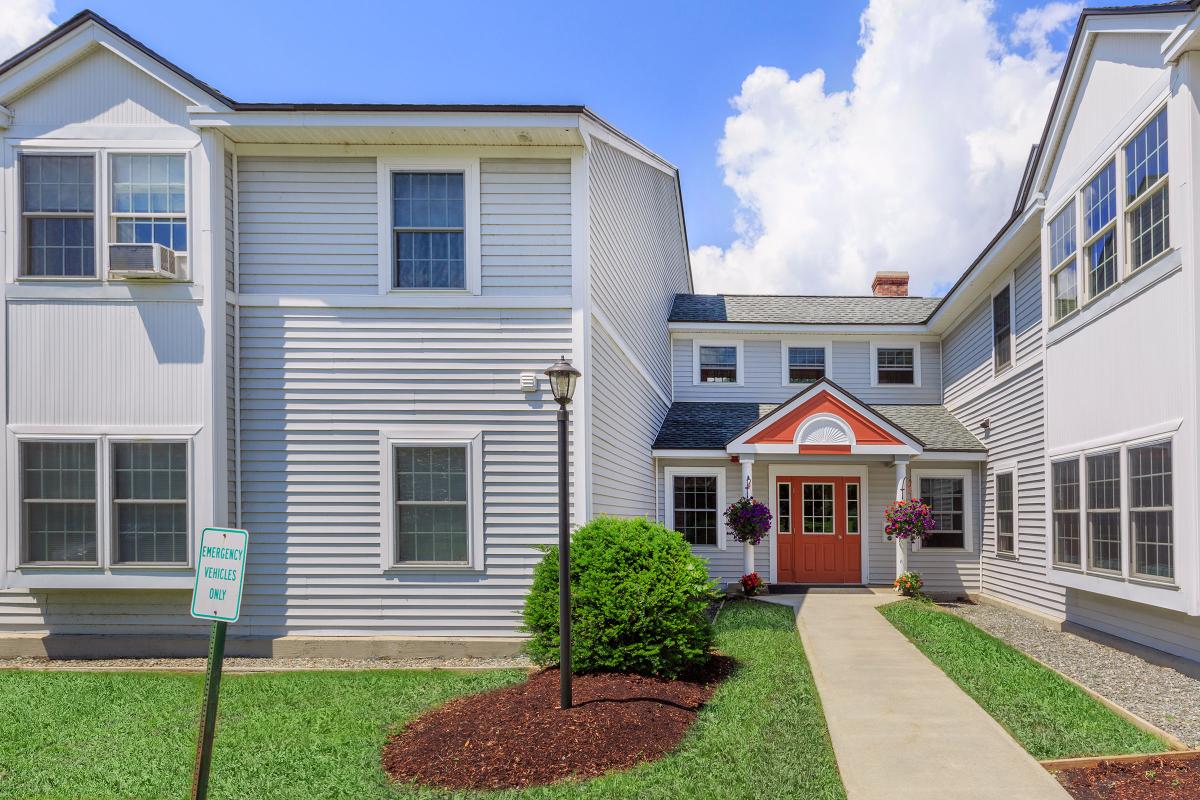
(709, 426)
(813, 310)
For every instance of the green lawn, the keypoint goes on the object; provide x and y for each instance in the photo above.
(1049, 716)
(318, 734)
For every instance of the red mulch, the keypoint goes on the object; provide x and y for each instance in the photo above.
(1149, 779)
(518, 736)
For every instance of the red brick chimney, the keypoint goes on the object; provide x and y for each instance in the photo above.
(890, 284)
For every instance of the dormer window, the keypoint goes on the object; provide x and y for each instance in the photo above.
(895, 366)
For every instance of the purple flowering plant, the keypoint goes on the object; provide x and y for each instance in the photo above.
(909, 519)
(748, 520)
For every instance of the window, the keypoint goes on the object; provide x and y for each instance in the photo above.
(696, 508)
(1064, 295)
(895, 365)
(149, 200)
(945, 498)
(428, 230)
(1002, 328)
(784, 491)
(58, 211)
(817, 508)
(1146, 201)
(1150, 510)
(1104, 511)
(150, 502)
(1064, 479)
(805, 364)
(1005, 523)
(852, 508)
(718, 363)
(431, 495)
(1100, 230)
(58, 502)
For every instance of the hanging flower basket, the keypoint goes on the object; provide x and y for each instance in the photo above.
(909, 519)
(748, 520)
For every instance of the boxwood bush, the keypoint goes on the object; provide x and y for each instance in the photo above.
(638, 601)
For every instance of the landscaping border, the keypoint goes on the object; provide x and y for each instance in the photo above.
(1087, 762)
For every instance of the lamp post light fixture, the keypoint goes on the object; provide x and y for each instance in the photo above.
(562, 384)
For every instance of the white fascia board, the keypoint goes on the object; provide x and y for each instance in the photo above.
(78, 44)
(951, 455)
(900, 451)
(6, 118)
(1182, 40)
(794, 329)
(669, 453)
(593, 127)
(208, 118)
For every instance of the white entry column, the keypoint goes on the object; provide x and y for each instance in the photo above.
(747, 491)
(901, 494)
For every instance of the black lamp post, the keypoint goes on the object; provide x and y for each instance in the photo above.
(562, 384)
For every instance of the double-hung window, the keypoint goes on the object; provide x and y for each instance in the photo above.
(432, 516)
(1100, 230)
(717, 363)
(1064, 295)
(1150, 510)
(895, 366)
(1146, 200)
(1064, 506)
(946, 498)
(1002, 329)
(805, 364)
(150, 502)
(695, 501)
(1104, 511)
(1006, 542)
(58, 502)
(58, 211)
(149, 200)
(429, 217)
(147, 492)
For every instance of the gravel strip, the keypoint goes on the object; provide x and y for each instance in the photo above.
(1169, 699)
(244, 665)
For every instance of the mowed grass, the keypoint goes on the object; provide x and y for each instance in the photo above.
(319, 734)
(1049, 716)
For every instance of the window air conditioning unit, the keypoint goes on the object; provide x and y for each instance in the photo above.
(142, 261)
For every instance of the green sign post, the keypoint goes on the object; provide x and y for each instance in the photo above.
(220, 575)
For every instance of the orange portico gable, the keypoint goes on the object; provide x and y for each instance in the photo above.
(824, 419)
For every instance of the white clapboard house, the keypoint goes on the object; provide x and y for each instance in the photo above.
(327, 324)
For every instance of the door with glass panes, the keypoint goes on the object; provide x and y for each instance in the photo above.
(819, 524)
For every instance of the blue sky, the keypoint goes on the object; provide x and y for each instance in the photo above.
(663, 72)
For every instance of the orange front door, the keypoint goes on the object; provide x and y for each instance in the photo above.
(819, 522)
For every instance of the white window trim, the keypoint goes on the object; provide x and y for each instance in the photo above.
(1081, 567)
(424, 436)
(741, 361)
(885, 344)
(471, 198)
(968, 506)
(1122, 510)
(671, 473)
(1006, 468)
(1072, 258)
(105, 529)
(105, 231)
(1011, 286)
(826, 344)
(1127, 512)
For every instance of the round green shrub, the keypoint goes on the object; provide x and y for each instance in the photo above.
(638, 601)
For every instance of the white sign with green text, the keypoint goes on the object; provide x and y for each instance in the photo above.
(220, 572)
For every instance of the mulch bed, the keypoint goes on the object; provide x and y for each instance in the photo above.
(1152, 778)
(518, 736)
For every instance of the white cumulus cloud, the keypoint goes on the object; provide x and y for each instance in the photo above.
(914, 167)
(23, 22)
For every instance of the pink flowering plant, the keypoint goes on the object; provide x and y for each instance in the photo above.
(909, 519)
(748, 520)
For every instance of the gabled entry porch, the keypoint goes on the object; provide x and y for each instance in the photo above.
(827, 465)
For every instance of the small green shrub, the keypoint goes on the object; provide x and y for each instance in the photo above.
(638, 601)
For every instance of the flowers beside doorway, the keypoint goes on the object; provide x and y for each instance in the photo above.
(751, 584)
(909, 584)
(748, 520)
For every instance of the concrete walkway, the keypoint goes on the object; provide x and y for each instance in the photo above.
(900, 727)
